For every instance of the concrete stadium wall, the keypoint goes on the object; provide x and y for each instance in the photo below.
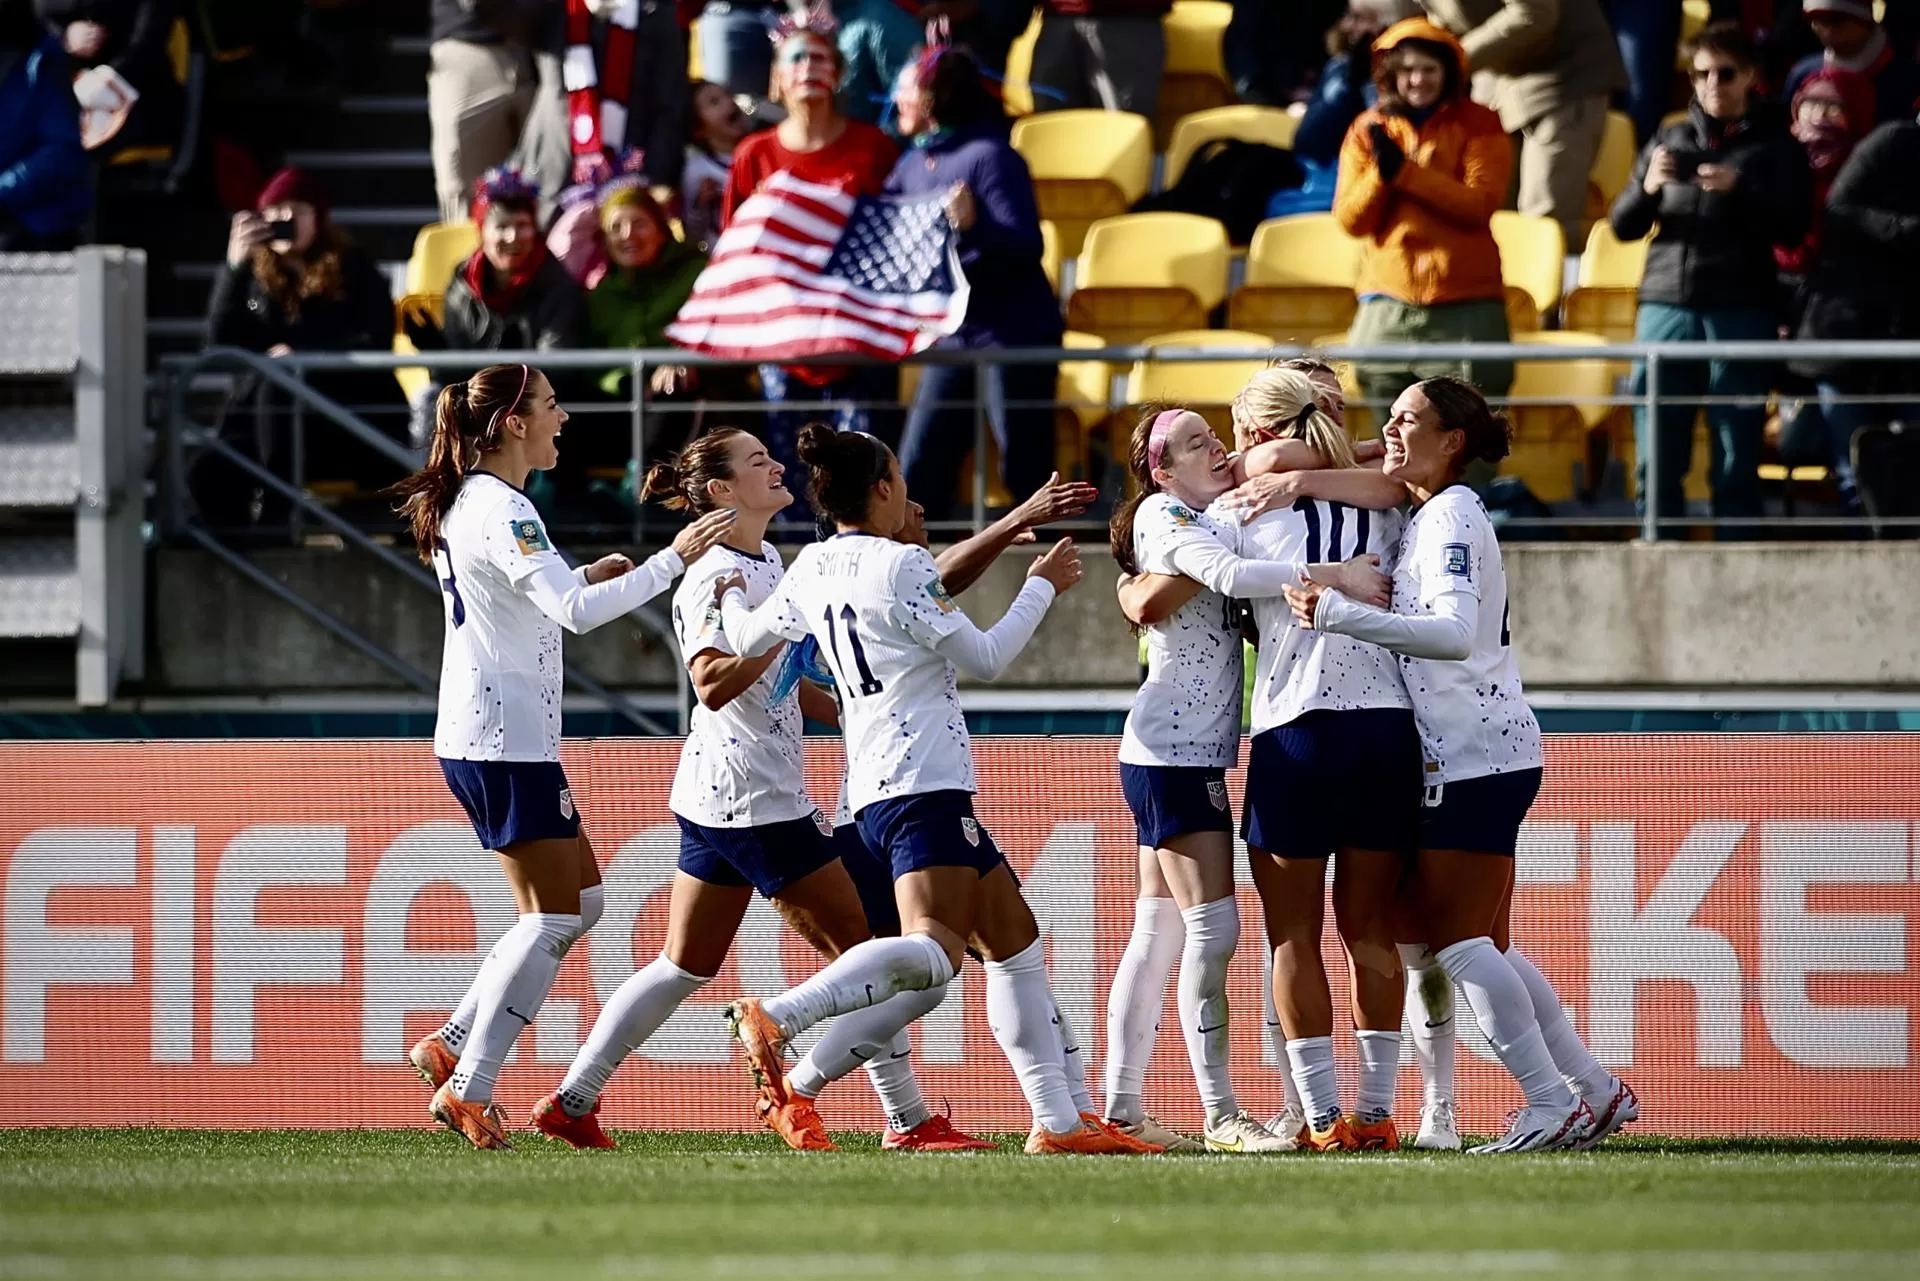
(1682, 615)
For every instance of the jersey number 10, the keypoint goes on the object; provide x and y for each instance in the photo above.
(868, 685)
(1334, 517)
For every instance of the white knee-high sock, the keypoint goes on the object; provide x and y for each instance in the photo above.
(867, 1038)
(516, 981)
(1277, 1037)
(1585, 1073)
(1505, 1013)
(1213, 931)
(1020, 1010)
(1311, 1058)
(893, 1080)
(865, 974)
(1134, 1003)
(632, 1014)
(1073, 1061)
(1379, 1067)
(453, 1033)
(1430, 1017)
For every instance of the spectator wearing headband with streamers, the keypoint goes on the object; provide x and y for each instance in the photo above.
(511, 294)
(817, 144)
(960, 150)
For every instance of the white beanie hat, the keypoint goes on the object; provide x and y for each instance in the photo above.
(1861, 9)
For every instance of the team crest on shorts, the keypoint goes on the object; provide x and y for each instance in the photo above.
(1217, 793)
(530, 537)
(566, 802)
(1459, 560)
(821, 821)
(970, 830)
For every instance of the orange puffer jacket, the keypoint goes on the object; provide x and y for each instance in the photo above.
(1426, 233)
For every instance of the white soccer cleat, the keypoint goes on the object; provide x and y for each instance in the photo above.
(1532, 1129)
(1623, 1106)
(1151, 1131)
(1240, 1133)
(1438, 1130)
(1287, 1126)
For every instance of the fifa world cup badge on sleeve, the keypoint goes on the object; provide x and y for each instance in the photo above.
(938, 590)
(1180, 515)
(530, 537)
(1457, 560)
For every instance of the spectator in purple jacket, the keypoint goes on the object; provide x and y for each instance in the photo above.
(959, 149)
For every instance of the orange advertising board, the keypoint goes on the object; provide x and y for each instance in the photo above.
(251, 934)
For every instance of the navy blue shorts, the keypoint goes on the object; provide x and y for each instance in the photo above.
(1172, 800)
(932, 829)
(1328, 781)
(1481, 815)
(769, 857)
(513, 801)
(872, 877)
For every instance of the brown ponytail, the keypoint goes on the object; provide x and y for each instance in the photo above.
(680, 483)
(1120, 528)
(468, 420)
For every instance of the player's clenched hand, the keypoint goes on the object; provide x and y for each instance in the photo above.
(609, 567)
(1059, 565)
(693, 541)
(1304, 600)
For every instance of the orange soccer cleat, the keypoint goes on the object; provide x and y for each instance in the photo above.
(1374, 1136)
(1336, 1137)
(795, 1121)
(481, 1124)
(556, 1122)
(433, 1060)
(1094, 1138)
(766, 1047)
(935, 1134)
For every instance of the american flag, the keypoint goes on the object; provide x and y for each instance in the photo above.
(806, 270)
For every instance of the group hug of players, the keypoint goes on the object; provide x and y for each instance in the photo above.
(1390, 736)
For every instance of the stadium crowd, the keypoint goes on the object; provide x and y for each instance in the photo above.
(600, 174)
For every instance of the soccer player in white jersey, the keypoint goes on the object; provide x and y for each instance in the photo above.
(508, 597)
(1181, 737)
(893, 637)
(746, 825)
(1449, 624)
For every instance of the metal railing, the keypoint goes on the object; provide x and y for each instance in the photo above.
(640, 406)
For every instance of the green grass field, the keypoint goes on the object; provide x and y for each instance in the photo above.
(163, 1204)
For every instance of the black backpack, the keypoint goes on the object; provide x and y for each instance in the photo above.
(1232, 181)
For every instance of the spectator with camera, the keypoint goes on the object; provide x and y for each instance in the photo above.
(1421, 175)
(45, 191)
(1725, 186)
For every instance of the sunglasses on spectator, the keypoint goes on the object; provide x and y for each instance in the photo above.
(1723, 74)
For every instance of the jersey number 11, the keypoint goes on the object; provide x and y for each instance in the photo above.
(868, 685)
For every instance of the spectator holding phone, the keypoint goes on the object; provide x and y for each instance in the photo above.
(1725, 186)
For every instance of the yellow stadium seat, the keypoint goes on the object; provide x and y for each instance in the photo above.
(1694, 16)
(1300, 274)
(1195, 77)
(1533, 253)
(1612, 166)
(437, 250)
(1206, 387)
(1017, 87)
(1606, 298)
(1085, 392)
(1569, 400)
(1050, 256)
(414, 379)
(1087, 165)
(1148, 273)
(1245, 123)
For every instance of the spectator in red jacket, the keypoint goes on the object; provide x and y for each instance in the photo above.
(1101, 53)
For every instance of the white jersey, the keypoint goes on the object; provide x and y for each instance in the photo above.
(508, 595)
(1188, 709)
(1474, 719)
(741, 766)
(1299, 669)
(877, 608)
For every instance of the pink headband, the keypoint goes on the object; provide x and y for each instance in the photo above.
(1157, 435)
(526, 376)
